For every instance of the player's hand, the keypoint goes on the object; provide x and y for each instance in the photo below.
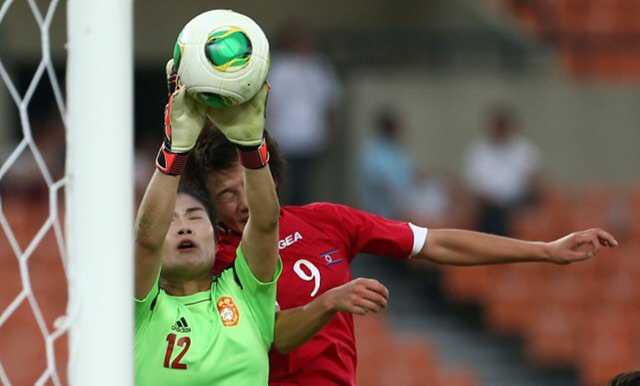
(184, 118)
(184, 115)
(580, 246)
(243, 124)
(360, 296)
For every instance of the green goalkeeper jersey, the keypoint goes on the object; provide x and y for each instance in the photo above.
(216, 337)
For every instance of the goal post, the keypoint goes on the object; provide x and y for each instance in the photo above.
(99, 191)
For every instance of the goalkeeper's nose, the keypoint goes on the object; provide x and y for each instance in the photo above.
(184, 230)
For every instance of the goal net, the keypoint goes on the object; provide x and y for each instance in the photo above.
(66, 192)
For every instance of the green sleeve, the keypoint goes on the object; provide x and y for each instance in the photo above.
(145, 307)
(260, 296)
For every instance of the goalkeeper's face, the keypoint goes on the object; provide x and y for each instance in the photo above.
(229, 198)
(189, 248)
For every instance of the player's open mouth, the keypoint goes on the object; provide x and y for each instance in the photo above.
(186, 244)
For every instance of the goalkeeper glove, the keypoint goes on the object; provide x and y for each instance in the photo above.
(184, 119)
(244, 126)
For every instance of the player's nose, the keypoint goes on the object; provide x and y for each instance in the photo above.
(184, 229)
(243, 205)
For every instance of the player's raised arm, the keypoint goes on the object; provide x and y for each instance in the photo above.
(461, 247)
(244, 126)
(184, 119)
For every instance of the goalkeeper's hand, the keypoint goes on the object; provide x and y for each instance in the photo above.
(184, 118)
(243, 124)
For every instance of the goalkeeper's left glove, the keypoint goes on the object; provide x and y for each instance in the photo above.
(184, 119)
(244, 125)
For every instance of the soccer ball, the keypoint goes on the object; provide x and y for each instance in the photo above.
(222, 57)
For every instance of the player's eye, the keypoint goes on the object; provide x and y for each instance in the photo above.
(226, 198)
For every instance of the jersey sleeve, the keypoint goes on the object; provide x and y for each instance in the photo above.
(261, 296)
(144, 308)
(364, 232)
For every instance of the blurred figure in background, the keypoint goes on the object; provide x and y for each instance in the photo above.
(439, 200)
(302, 103)
(501, 171)
(387, 172)
(393, 185)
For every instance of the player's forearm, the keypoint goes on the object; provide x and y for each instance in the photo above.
(156, 211)
(152, 224)
(260, 237)
(264, 208)
(461, 247)
(296, 326)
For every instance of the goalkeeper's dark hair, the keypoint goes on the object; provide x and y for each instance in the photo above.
(631, 378)
(214, 153)
(200, 196)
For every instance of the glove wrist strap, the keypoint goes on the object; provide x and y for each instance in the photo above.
(170, 163)
(254, 157)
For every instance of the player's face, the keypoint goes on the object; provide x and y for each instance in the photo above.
(189, 248)
(229, 197)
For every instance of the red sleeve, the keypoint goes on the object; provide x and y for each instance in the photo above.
(364, 232)
(226, 245)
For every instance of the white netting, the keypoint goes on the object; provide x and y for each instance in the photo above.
(32, 251)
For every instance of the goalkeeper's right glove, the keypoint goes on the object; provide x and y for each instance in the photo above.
(184, 118)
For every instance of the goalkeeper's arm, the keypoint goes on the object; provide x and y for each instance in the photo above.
(184, 119)
(244, 126)
(152, 225)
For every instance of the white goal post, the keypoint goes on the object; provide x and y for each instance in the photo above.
(100, 191)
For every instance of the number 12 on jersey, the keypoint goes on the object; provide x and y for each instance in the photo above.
(185, 342)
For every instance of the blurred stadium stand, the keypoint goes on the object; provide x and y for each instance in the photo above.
(22, 333)
(596, 38)
(584, 315)
(442, 62)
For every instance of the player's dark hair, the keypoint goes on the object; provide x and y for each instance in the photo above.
(631, 378)
(202, 197)
(214, 153)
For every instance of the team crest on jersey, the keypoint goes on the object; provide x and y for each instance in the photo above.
(229, 312)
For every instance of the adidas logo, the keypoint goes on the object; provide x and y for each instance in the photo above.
(181, 326)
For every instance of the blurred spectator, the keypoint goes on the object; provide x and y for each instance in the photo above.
(501, 171)
(430, 198)
(305, 93)
(394, 186)
(439, 201)
(387, 172)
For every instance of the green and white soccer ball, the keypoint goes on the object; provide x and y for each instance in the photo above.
(222, 57)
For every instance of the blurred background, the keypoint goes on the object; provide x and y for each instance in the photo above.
(515, 117)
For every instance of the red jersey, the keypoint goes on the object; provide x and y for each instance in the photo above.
(317, 244)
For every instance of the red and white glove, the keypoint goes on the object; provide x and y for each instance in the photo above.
(184, 118)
